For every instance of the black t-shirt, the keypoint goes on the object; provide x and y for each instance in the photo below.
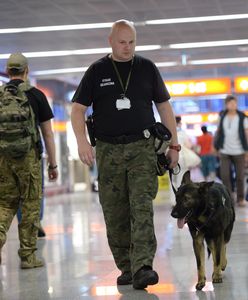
(101, 88)
(38, 102)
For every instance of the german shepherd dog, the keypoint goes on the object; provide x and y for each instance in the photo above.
(207, 208)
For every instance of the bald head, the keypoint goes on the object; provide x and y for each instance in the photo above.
(120, 24)
(122, 40)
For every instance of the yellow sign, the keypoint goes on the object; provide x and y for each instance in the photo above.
(199, 87)
(59, 126)
(241, 84)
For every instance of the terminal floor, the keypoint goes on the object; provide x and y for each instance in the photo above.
(79, 265)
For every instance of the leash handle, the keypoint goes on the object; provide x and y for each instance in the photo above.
(174, 171)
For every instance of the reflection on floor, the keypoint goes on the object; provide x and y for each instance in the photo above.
(79, 264)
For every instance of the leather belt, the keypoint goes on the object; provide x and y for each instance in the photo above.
(124, 139)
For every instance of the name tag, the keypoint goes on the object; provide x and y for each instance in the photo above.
(123, 103)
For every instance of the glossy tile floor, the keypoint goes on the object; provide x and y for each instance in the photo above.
(79, 264)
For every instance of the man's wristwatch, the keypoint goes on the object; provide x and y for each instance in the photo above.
(175, 147)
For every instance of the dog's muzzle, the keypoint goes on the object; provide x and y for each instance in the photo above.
(181, 220)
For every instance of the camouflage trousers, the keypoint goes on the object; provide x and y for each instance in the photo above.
(127, 185)
(20, 185)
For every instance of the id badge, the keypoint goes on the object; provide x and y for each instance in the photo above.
(123, 103)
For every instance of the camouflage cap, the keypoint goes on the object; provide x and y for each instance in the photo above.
(17, 61)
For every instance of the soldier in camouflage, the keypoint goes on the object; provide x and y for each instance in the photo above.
(122, 87)
(20, 177)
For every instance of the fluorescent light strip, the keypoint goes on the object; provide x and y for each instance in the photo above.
(138, 48)
(209, 44)
(197, 19)
(109, 24)
(60, 53)
(166, 64)
(59, 71)
(56, 28)
(83, 69)
(147, 48)
(78, 52)
(159, 65)
(232, 60)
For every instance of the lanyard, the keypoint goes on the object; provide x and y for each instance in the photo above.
(119, 76)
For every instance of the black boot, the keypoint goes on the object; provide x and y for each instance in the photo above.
(41, 232)
(143, 277)
(125, 278)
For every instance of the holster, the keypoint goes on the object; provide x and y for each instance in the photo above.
(91, 130)
(39, 148)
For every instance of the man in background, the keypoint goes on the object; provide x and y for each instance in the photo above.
(20, 178)
(231, 141)
(206, 152)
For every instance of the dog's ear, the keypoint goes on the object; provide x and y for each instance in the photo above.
(186, 178)
(204, 187)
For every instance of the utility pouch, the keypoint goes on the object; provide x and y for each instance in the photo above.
(162, 140)
(91, 130)
(162, 137)
(162, 164)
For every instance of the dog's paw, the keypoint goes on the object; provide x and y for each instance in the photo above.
(217, 278)
(200, 285)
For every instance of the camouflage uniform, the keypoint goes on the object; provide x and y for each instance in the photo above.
(127, 185)
(20, 184)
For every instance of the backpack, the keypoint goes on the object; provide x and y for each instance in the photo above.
(18, 130)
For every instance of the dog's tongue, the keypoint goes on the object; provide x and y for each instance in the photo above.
(180, 223)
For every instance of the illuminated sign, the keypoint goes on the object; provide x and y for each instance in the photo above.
(199, 87)
(200, 118)
(241, 84)
(59, 126)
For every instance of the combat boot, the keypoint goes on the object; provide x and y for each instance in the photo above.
(41, 232)
(144, 277)
(125, 278)
(30, 262)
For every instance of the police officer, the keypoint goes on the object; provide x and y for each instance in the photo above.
(20, 179)
(121, 87)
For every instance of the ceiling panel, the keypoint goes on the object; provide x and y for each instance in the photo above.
(59, 12)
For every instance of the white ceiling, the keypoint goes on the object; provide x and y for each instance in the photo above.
(27, 13)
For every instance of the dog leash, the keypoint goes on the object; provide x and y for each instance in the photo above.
(174, 171)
